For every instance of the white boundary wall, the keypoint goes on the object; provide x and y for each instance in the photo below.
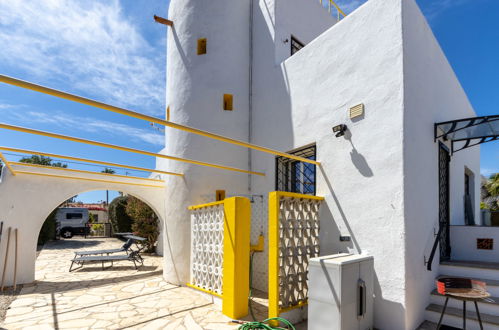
(464, 243)
(27, 200)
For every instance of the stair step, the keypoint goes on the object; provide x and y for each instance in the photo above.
(472, 264)
(453, 317)
(471, 269)
(427, 325)
(489, 305)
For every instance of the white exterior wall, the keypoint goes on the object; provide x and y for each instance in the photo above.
(463, 242)
(379, 182)
(432, 94)
(196, 84)
(274, 22)
(27, 200)
(362, 174)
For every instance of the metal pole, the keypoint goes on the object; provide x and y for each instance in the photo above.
(25, 151)
(88, 179)
(104, 106)
(15, 263)
(112, 146)
(6, 258)
(52, 168)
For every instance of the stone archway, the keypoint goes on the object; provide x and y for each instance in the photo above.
(26, 200)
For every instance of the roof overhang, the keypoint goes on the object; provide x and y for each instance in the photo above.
(468, 132)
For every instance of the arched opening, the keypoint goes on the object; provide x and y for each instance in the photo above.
(102, 217)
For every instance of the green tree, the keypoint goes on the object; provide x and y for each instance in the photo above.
(49, 225)
(490, 193)
(493, 185)
(120, 220)
(145, 221)
(108, 170)
(41, 160)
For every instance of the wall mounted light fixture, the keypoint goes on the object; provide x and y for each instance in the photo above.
(339, 130)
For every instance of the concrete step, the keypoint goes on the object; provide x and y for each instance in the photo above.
(472, 269)
(427, 325)
(488, 306)
(492, 285)
(454, 317)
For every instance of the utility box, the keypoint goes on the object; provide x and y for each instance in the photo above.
(340, 292)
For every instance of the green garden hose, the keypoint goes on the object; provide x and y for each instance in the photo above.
(265, 326)
(255, 325)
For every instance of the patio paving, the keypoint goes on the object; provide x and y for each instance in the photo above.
(116, 298)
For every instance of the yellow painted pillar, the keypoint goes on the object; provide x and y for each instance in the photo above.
(237, 229)
(273, 254)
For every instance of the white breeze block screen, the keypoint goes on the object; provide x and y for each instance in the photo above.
(207, 242)
(298, 242)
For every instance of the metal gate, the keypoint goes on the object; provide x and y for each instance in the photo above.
(443, 201)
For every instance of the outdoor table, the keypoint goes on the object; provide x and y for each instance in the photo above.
(465, 295)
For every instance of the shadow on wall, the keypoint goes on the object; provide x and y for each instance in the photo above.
(358, 160)
(332, 226)
(386, 312)
(384, 309)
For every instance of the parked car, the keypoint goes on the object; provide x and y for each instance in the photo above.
(72, 221)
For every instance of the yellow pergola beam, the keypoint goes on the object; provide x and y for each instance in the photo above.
(338, 8)
(86, 172)
(6, 162)
(88, 179)
(112, 146)
(32, 152)
(83, 100)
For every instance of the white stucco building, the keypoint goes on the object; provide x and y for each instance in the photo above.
(392, 183)
(380, 180)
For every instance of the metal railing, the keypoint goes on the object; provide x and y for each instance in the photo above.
(330, 4)
(434, 248)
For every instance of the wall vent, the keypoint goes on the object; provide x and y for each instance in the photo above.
(357, 111)
(485, 243)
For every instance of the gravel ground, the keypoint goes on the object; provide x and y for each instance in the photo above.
(6, 298)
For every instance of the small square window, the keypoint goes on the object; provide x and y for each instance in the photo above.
(228, 102)
(202, 46)
(296, 45)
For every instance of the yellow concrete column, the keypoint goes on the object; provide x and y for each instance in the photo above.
(237, 229)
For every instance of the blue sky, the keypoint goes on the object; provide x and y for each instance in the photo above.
(113, 51)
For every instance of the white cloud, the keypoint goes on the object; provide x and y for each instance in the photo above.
(90, 47)
(88, 125)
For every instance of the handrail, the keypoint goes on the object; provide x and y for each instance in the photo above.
(331, 4)
(434, 248)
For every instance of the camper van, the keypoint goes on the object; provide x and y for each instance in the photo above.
(71, 221)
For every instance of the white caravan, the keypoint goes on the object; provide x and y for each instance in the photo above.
(71, 221)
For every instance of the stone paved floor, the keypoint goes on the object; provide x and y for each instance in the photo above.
(116, 298)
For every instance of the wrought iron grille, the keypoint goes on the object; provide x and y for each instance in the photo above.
(443, 198)
(295, 176)
(295, 45)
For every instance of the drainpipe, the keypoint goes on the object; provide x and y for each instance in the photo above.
(250, 91)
